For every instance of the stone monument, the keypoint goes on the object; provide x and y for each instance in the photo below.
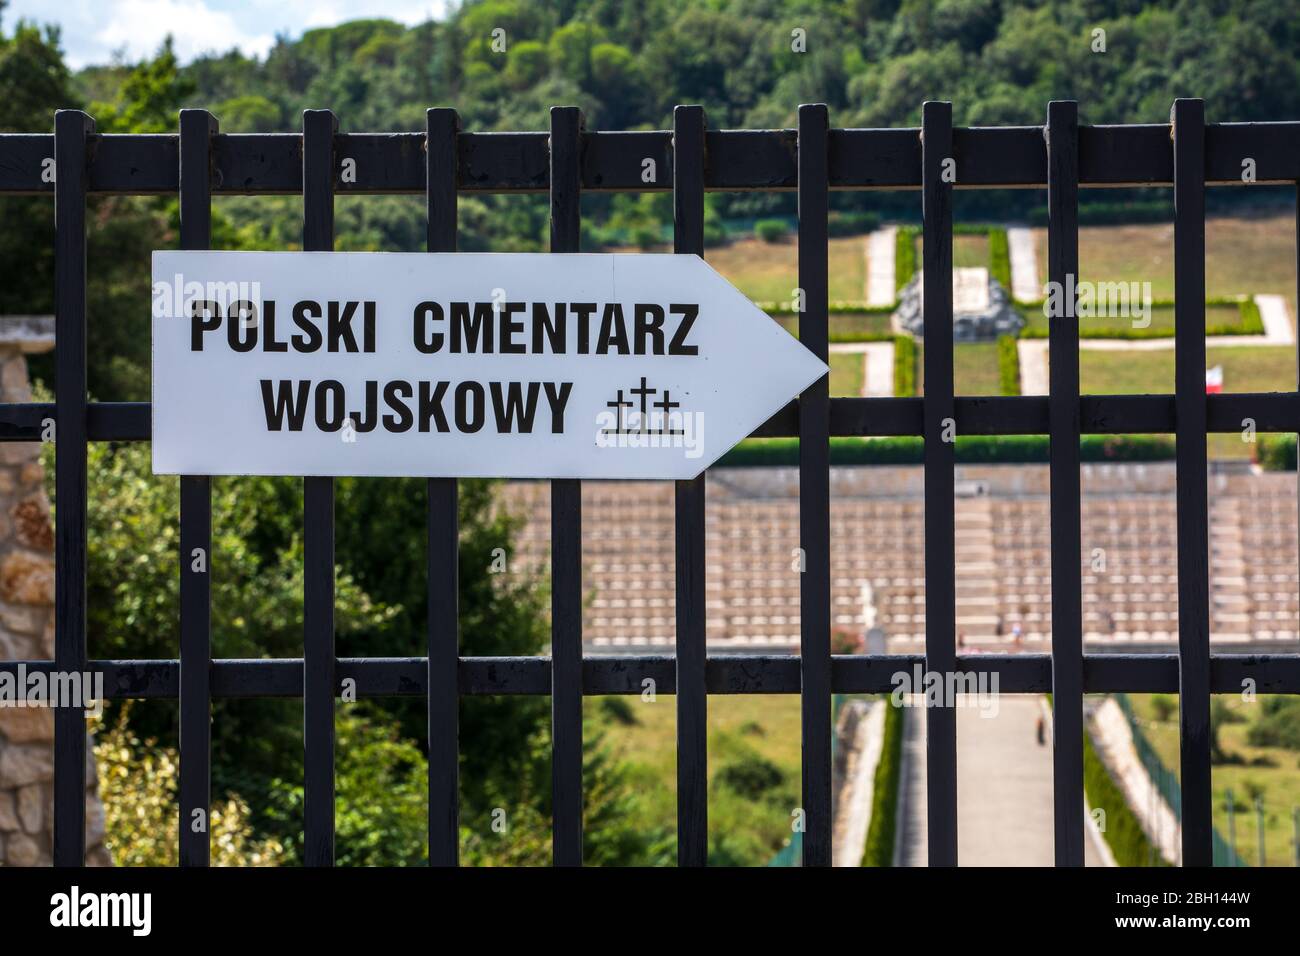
(981, 308)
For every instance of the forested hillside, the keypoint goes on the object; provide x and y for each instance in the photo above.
(872, 61)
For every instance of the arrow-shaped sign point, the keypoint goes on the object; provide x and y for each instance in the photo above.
(459, 364)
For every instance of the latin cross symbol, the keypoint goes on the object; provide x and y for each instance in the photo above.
(644, 392)
(666, 404)
(618, 405)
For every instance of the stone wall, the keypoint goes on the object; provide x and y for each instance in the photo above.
(27, 633)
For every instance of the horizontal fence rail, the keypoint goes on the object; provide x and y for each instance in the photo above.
(269, 163)
(849, 417)
(441, 162)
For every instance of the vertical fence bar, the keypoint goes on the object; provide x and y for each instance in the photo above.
(71, 130)
(692, 696)
(441, 129)
(1063, 412)
(197, 129)
(814, 489)
(938, 170)
(566, 540)
(1188, 119)
(318, 129)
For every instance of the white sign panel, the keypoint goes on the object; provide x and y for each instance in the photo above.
(458, 364)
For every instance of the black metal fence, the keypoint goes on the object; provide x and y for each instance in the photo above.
(442, 162)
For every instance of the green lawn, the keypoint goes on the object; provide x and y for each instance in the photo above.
(1133, 372)
(974, 366)
(846, 326)
(754, 769)
(1279, 783)
(847, 373)
(968, 251)
(1243, 255)
(769, 272)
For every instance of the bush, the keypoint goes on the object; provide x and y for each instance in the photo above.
(619, 710)
(715, 234)
(851, 223)
(750, 776)
(771, 230)
(1275, 452)
(1164, 706)
(879, 849)
(904, 365)
(138, 782)
(645, 237)
(1278, 725)
(1008, 366)
(845, 640)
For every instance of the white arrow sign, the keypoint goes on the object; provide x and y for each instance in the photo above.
(458, 364)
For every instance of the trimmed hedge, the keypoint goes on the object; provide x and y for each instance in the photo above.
(771, 230)
(1275, 452)
(970, 450)
(1000, 257)
(860, 337)
(1251, 322)
(904, 365)
(851, 223)
(879, 849)
(782, 309)
(1008, 366)
(1123, 833)
(904, 255)
(1113, 213)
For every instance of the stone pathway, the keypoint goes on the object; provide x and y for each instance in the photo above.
(877, 366)
(1033, 366)
(910, 845)
(878, 370)
(1277, 321)
(880, 266)
(1025, 286)
(1004, 789)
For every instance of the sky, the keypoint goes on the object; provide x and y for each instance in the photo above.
(94, 30)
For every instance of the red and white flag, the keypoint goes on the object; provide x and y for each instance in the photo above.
(1214, 380)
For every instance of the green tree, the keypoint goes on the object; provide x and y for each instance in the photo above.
(526, 64)
(248, 114)
(35, 84)
(149, 98)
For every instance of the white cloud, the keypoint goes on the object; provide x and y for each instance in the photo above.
(140, 26)
(94, 30)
